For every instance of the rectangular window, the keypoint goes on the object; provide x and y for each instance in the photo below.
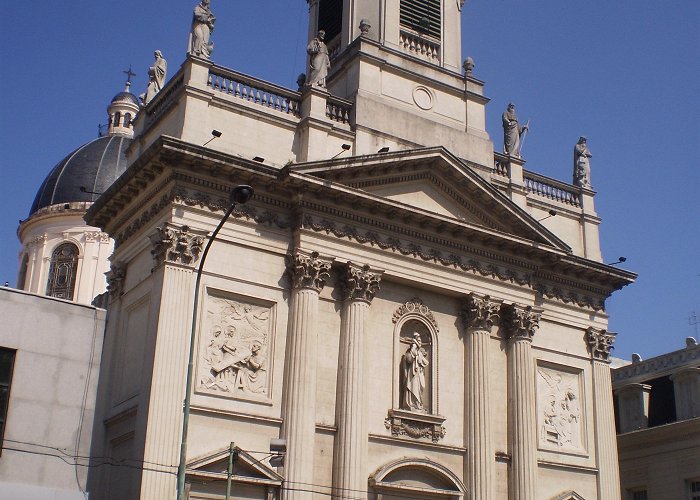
(330, 18)
(638, 495)
(423, 16)
(694, 489)
(7, 360)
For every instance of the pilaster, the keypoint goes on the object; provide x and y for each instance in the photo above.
(520, 323)
(516, 185)
(633, 402)
(308, 273)
(314, 124)
(600, 343)
(350, 465)
(480, 313)
(175, 251)
(686, 388)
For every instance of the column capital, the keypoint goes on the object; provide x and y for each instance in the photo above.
(308, 270)
(360, 282)
(176, 245)
(521, 321)
(115, 279)
(480, 312)
(600, 343)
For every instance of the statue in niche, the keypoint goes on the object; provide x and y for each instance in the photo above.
(561, 413)
(156, 77)
(582, 164)
(234, 359)
(414, 364)
(319, 62)
(202, 28)
(513, 133)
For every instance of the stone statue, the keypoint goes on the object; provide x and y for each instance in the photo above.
(582, 165)
(513, 133)
(202, 27)
(156, 77)
(413, 365)
(319, 62)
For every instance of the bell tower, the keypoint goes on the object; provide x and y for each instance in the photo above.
(426, 29)
(400, 63)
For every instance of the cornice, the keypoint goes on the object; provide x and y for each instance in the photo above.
(657, 366)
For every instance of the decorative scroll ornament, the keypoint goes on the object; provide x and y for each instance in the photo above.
(417, 428)
(521, 321)
(176, 245)
(115, 279)
(600, 343)
(415, 306)
(308, 271)
(480, 312)
(360, 283)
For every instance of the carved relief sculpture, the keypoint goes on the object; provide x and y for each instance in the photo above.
(235, 349)
(559, 412)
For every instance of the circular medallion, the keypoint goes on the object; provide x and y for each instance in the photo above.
(423, 97)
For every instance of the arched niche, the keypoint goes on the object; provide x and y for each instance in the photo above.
(415, 478)
(414, 413)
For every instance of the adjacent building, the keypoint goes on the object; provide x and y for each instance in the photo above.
(658, 423)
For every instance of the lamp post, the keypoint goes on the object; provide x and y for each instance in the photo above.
(240, 194)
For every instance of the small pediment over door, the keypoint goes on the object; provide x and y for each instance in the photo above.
(569, 495)
(251, 477)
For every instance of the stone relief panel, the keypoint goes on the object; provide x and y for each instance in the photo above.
(235, 345)
(559, 409)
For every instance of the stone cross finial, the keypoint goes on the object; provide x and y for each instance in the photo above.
(308, 270)
(521, 321)
(129, 74)
(600, 343)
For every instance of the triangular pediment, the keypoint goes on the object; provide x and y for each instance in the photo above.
(246, 468)
(433, 180)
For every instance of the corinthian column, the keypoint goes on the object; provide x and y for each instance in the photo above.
(480, 314)
(521, 323)
(360, 284)
(309, 274)
(600, 343)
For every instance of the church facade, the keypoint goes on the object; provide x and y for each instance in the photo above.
(390, 302)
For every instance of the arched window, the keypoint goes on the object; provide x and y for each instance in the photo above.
(127, 119)
(22, 278)
(62, 272)
(117, 119)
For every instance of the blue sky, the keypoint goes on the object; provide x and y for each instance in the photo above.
(625, 74)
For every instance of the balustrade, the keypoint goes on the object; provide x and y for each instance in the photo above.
(338, 109)
(419, 46)
(552, 189)
(254, 91)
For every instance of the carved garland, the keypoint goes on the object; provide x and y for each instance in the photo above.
(415, 429)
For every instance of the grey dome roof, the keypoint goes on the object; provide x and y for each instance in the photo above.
(94, 166)
(126, 97)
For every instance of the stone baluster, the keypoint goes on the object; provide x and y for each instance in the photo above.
(309, 273)
(350, 467)
(520, 323)
(480, 313)
(600, 344)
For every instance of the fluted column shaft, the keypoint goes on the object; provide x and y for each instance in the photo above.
(522, 321)
(308, 274)
(600, 343)
(480, 313)
(350, 455)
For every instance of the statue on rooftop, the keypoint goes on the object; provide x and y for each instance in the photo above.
(513, 133)
(156, 77)
(582, 165)
(319, 62)
(202, 27)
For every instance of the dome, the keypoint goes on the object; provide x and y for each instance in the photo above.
(125, 97)
(94, 166)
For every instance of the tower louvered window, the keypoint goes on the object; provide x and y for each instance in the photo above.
(64, 264)
(422, 16)
(330, 18)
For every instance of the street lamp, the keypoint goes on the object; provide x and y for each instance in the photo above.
(240, 194)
